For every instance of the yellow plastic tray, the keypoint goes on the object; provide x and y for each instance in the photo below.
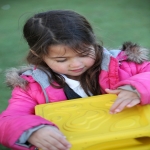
(88, 125)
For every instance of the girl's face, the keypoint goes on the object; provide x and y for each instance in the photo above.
(63, 60)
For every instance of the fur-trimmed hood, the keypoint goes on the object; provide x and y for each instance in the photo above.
(135, 53)
(132, 52)
(13, 78)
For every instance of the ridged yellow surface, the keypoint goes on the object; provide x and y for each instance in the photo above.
(88, 125)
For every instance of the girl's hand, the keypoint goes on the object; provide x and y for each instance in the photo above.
(125, 99)
(49, 138)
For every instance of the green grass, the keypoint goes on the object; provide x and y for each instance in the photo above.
(114, 21)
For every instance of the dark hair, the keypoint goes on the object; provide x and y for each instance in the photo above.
(67, 28)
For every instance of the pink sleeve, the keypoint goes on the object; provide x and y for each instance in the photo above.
(18, 117)
(141, 82)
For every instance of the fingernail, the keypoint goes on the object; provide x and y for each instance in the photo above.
(129, 105)
(68, 146)
(117, 110)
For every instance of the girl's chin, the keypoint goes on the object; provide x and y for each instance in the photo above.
(73, 77)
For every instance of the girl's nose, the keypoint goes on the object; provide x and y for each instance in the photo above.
(75, 63)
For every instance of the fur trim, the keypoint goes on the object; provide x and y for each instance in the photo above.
(13, 78)
(135, 52)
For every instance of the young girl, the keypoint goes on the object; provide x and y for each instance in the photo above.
(67, 63)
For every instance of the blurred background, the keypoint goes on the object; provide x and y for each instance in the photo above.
(114, 22)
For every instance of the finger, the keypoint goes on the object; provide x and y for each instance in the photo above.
(51, 145)
(125, 103)
(122, 105)
(133, 103)
(60, 139)
(40, 145)
(116, 105)
(57, 145)
(58, 136)
(49, 148)
(57, 130)
(60, 133)
(112, 91)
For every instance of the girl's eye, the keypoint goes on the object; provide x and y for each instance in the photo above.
(86, 55)
(61, 60)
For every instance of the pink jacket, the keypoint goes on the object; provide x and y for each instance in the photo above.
(124, 68)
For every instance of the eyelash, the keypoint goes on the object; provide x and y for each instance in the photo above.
(61, 60)
(84, 55)
(66, 59)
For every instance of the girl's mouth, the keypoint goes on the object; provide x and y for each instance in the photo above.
(77, 70)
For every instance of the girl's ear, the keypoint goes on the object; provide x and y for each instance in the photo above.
(34, 53)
